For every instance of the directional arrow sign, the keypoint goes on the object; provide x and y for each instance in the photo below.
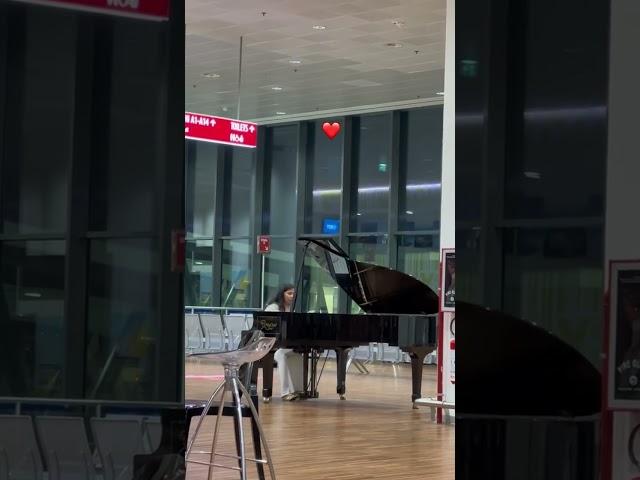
(207, 128)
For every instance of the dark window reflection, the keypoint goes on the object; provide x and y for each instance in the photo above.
(371, 170)
(122, 328)
(556, 146)
(421, 170)
(554, 277)
(32, 318)
(280, 180)
(123, 173)
(39, 122)
(324, 178)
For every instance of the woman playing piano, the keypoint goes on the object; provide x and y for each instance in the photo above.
(289, 363)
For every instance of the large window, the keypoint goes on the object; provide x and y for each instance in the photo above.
(419, 256)
(236, 273)
(198, 275)
(370, 204)
(200, 189)
(238, 191)
(324, 178)
(279, 266)
(280, 210)
(420, 170)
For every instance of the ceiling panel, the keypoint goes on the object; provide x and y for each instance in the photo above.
(345, 65)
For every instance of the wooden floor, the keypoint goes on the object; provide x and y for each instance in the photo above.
(373, 434)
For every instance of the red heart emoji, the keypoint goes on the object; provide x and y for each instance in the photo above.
(331, 129)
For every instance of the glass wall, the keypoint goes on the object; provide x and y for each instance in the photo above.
(324, 181)
(296, 183)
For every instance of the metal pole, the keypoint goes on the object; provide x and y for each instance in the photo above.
(262, 282)
(239, 79)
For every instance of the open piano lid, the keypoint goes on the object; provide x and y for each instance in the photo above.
(374, 288)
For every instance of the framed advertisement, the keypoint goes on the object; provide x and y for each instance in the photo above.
(623, 333)
(448, 280)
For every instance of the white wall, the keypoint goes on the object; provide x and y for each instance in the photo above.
(448, 203)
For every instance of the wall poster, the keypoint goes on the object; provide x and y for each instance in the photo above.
(448, 287)
(624, 336)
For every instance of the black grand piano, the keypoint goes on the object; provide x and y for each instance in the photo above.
(399, 310)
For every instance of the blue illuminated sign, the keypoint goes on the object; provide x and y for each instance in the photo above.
(330, 226)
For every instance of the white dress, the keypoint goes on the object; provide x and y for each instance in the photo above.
(290, 365)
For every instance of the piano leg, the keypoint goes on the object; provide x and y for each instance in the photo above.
(417, 355)
(267, 376)
(342, 357)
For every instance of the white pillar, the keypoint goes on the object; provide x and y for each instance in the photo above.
(448, 192)
(622, 224)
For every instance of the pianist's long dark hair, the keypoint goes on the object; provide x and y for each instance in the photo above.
(279, 297)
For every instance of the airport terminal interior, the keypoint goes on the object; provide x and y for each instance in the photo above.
(292, 250)
(229, 234)
(374, 187)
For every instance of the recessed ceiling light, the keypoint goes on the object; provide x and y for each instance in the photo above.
(281, 113)
(295, 62)
(277, 89)
(439, 93)
(394, 45)
(319, 27)
(210, 75)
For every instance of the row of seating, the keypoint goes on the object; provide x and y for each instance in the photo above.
(215, 332)
(60, 447)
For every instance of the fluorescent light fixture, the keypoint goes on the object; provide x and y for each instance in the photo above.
(277, 89)
(411, 187)
(319, 27)
(439, 93)
(533, 175)
(359, 214)
(281, 113)
(210, 75)
(394, 45)
(409, 212)
(295, 62)
(199, 263)
(32, 294)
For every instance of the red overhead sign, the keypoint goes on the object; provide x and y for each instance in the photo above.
(151, 9)
(220, 130)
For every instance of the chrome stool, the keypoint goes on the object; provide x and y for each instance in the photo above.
(232, 361)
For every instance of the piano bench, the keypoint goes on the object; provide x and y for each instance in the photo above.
(434, 403)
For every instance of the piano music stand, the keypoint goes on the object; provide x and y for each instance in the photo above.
(233, 361)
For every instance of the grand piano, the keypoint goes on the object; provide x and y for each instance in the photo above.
(399, 310)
